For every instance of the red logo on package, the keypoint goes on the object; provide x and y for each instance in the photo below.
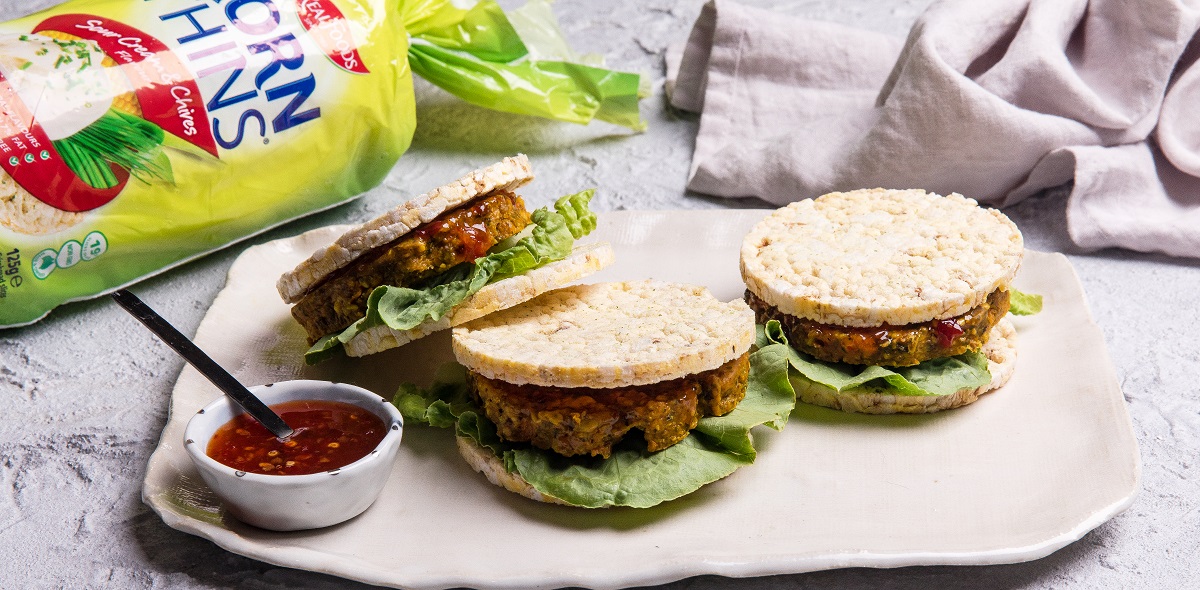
(331, 32)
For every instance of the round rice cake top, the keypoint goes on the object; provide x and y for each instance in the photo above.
(508, 174)
(607, 335)
(583, 260)
(877, 256)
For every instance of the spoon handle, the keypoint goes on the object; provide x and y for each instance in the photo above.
(203, 363)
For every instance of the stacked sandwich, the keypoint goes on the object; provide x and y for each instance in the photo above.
(896, 300)
(613, 394)
(635, 393)
(610, 394)
(441, 259)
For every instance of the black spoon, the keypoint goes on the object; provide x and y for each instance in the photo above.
(207, 367)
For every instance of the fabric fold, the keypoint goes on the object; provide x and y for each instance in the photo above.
(995, 101)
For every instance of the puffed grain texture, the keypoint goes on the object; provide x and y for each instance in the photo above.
(24, 213)
(508, 174)
(1001, 352)
(877, 256)
(583, 260)
(607, 335)
(486, 462)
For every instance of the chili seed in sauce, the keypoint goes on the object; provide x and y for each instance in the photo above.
(328, 435)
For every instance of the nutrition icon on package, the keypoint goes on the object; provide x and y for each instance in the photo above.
(71, 252)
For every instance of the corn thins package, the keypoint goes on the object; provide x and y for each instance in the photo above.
(136, 135)
(139, 134)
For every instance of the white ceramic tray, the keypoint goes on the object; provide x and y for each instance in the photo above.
(1013, 477)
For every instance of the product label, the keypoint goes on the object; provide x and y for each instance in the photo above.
(136, 135)
(166, 92)
(253, 70)
(12, 271)
(29, 157)
(331, 32)
(235, 71)
(68, 254)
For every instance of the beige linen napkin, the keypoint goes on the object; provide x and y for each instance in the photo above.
(995, 100)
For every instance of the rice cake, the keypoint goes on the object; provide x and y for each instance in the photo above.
(607, 335)
(508, 174)
(584, 260)
(877, 256)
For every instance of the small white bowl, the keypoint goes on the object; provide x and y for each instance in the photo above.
(296, 502)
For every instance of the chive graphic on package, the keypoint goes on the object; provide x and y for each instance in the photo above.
(54, 72)
(176, 127)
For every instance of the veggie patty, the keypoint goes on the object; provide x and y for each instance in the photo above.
(589, 421)
(457, 236)
(888, 345)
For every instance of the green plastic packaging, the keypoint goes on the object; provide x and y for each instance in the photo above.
(136, 135)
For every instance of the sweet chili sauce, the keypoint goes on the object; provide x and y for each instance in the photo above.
(947, 331)
(464, 229)
(328, 435)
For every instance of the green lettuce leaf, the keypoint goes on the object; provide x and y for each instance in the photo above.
(936, 377)
(401, 308)
(441, 404)
(1023, 303)
(631, 476)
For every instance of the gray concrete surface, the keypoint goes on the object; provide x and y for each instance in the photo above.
(83, 394)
